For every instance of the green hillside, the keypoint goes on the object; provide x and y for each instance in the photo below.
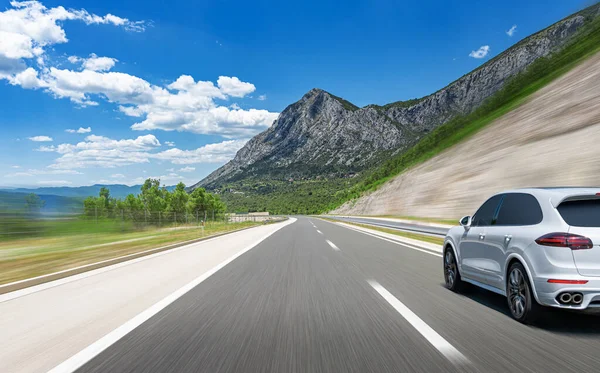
(316, 196)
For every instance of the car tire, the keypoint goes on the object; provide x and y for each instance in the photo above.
(451, 274)
(521, 301)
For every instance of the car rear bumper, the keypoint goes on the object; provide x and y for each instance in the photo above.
(547, 293)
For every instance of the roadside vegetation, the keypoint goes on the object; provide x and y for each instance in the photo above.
(32, 244)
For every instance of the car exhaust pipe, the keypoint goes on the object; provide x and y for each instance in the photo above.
(565, 298)
(577, 298)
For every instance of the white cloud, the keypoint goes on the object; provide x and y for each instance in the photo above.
(99, 151)
(210, 153)
(80, 130)
(187, 169)
(170, 143)
(54, 183)
(262, 97)
(481, 52)
(36, 172)
(512, 30)
(15, 166)
(183, 105)
(29, 27)
(117, 176)
(41, 138)
(232, 86)
(94, 63)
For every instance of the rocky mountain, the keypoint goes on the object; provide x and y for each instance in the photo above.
(322, 134)
(318, 134)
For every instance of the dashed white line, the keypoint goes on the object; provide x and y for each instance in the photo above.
(443, 346)
(333, 245)
(78, 360)
(319, 231)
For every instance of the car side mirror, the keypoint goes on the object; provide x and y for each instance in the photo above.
(466, 222)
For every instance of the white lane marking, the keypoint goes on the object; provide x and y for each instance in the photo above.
(396, 242)
(319, 231)
(443, 346)
(333, 245)
(78, 360)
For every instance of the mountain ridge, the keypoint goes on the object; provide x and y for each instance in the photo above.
(323, 135)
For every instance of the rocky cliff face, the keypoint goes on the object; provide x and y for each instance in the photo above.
(322, 133)
(317, 134)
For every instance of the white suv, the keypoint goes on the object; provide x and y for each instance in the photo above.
(537, 246)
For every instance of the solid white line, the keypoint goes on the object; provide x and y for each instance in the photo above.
(333, 245)
(396, 242)
(319, 231)
(78, 360)
(426, 331)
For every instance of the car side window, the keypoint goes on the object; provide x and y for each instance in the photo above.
(519, 209)
(485, 215)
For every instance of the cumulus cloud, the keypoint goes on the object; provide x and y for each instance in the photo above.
(187, 169)
(481, 52)
(94, 63)
(28, 27)
(117, 176)
(234, 87)
(169, 143)
(103, 152)
(184, 105)
(210, 153)
(262, 97)
(512, 30)
(80, 130)
(41, 138)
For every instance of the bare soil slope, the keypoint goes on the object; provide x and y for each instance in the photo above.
(551, 140)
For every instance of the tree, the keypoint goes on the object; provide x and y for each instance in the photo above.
(34, 203)
(178, 201)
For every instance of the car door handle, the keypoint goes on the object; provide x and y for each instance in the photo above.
(482, 236)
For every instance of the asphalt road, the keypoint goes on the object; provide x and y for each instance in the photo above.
(324, 298)
(408, 227)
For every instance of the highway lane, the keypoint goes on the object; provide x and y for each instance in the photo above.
(295, 303)
(430, 230)
(318, 297)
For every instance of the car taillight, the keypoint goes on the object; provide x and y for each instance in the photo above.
(572, 241)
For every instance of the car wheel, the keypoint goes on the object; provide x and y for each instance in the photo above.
(521, 302)
(451, 274)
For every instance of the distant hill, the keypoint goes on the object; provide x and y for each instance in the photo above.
(116, 190)
(15, 201)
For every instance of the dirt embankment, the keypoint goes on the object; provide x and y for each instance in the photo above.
(552, 140)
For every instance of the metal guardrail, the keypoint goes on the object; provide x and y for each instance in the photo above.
(404, 227)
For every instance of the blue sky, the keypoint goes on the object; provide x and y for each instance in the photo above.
(121, 91)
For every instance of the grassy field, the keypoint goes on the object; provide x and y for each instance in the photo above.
(71, 244)
(414, 236)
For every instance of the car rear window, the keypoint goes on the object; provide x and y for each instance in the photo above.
(582, 213)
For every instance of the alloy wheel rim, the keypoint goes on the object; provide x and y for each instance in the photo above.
(449, 268)
(517, 296)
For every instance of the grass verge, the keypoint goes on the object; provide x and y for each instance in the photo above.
(31, 257)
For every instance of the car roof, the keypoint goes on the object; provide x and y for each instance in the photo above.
(557, 194)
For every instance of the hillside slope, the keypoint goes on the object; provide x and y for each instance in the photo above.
(552, 140)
